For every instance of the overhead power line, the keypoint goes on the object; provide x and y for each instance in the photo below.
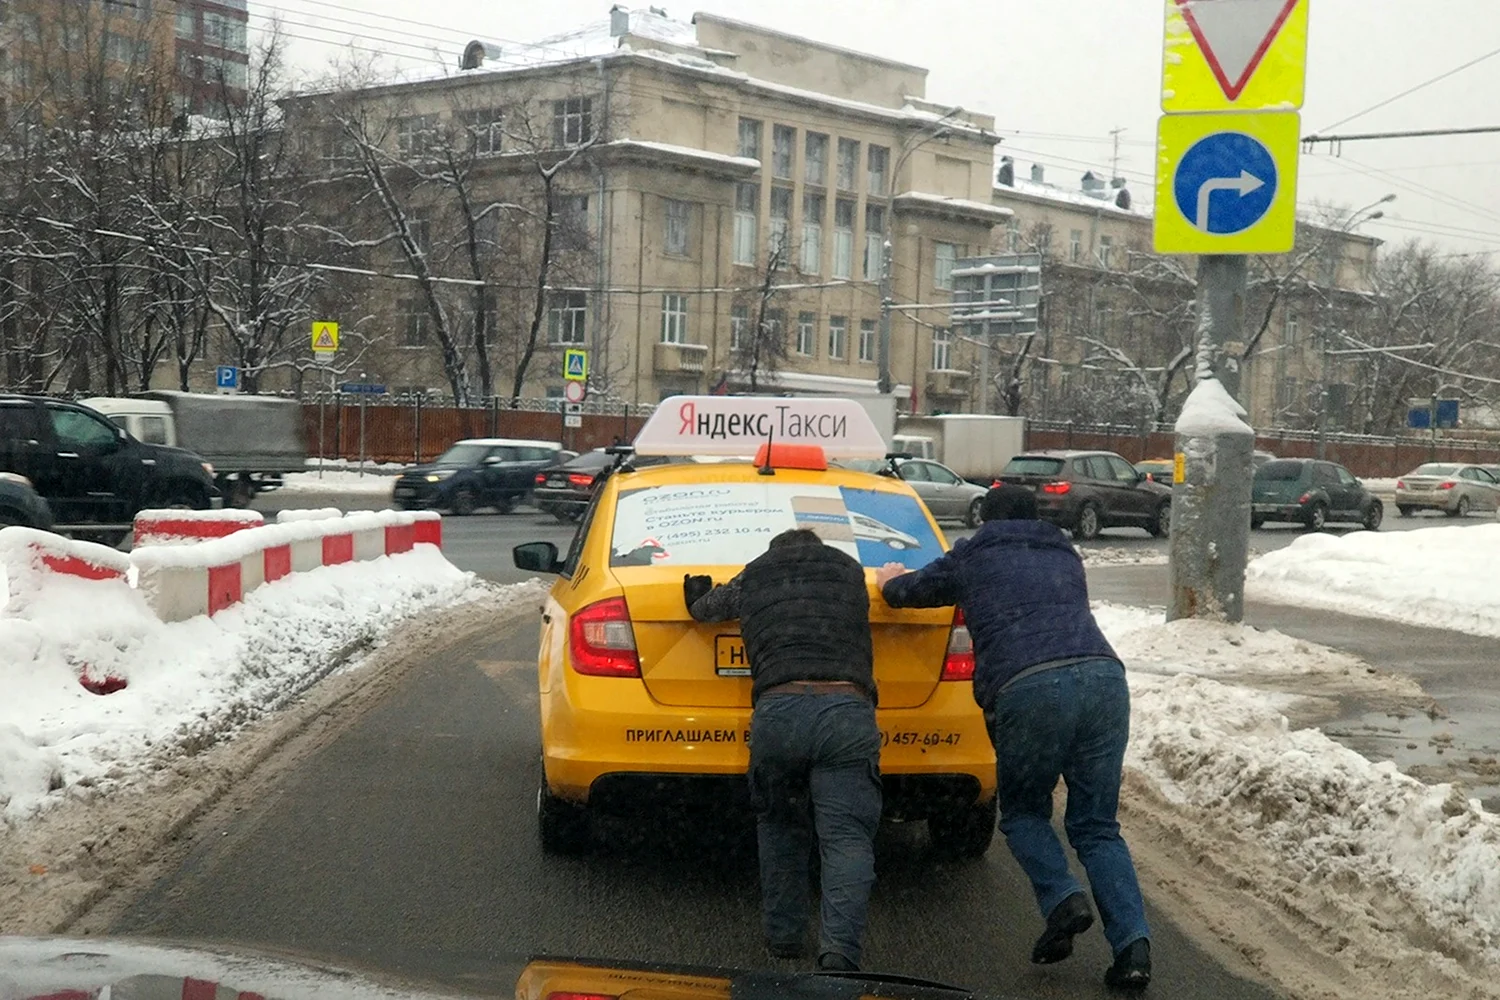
(1335, 141)
(1412, 90)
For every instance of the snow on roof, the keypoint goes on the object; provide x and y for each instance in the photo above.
(1210, 410)
(723, 159)
(1052, 192)
(963, 205)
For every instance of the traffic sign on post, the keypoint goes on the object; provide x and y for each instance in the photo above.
(227, 378)
(1234, 55)
(325, 337)
(575, 364)
(575, 392)
(1227, 183)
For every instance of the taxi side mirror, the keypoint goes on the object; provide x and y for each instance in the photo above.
(537, 557)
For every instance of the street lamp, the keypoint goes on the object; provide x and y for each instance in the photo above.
(935, 130)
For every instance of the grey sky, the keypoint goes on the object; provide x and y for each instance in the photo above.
(1060, 74)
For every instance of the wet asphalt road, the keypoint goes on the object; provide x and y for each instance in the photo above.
(408, 846)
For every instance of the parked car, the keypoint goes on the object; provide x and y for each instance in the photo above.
(946, 493)
(476, 473)
(1087, 491)
(1311, 492)
(1259, 458)
(94, 475)
(22, 506)
(564, 488)
(1450, 487)
(1158, 470)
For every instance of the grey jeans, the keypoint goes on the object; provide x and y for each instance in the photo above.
(815, 774)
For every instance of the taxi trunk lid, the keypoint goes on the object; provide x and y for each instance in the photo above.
(685, 663)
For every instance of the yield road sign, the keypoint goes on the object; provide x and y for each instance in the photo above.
(575, 364)
(575, 392)
(325, 337)
(1234, 55)
(227, 377)
(1227, 183)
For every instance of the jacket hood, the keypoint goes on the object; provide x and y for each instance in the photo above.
(1038, 534)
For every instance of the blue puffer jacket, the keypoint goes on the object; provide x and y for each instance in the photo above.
(1023, 593)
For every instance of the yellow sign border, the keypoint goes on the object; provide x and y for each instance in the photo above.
(1276, 232)
(325, 326)
(582, 353)
(1278, 82)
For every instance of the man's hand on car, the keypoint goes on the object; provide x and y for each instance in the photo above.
(695, 587)
(889, 572)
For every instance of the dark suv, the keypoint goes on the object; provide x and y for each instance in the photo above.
(1087, 491)
(1311, 492)
(94, 476)
(478, 472)
(21, 505)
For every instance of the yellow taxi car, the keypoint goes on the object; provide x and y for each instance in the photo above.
(638, 700)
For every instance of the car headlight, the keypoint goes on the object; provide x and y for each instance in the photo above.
(208, 469)
(440, 475)
(15, 477)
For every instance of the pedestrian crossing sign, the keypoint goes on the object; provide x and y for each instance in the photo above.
(575, 365)
(325, 337)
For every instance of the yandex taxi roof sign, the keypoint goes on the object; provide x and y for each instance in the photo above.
(736, 426)
(1234, 55)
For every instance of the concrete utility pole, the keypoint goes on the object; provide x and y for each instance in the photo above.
(1210, 531)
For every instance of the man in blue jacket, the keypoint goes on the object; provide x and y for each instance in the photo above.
(1057, 706)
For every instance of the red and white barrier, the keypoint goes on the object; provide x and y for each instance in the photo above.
(186, 527)
(29, 559)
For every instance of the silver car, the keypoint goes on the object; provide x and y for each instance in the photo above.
(947, 494)
(1450, 487)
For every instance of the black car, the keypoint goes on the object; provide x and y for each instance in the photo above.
(20, 505)
(564, 489)
(1087, 491)
(1311, 492)
(94, 476)
(475, 473)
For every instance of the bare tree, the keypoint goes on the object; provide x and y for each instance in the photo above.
(763, 350)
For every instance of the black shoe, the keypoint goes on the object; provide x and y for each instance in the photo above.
(1071, 916)
(832, 961)
(786, 949)
(1132, 968)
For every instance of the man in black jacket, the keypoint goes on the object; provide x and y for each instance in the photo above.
(804, 614)
(1055, 699)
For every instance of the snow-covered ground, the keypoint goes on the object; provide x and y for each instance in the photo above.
(1210, 732)
(191, 683)
(334, 480)
(1438, 577)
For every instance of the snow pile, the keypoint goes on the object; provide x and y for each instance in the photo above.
(1438, 577)
(1210, 410)
(191, 683)
(337, 481)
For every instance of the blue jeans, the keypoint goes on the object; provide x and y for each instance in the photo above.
(1070, 722)
(815, 772)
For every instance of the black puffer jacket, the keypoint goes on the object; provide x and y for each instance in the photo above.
(804, 612)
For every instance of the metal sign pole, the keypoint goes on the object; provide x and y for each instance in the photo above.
(362, 397)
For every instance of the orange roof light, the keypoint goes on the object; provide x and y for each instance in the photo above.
(792, 456)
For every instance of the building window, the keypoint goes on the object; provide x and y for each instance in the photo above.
(838, 336)
(674, 316)
(880, 163)
(843, 238)
(223, 32)
(815, 159)
(413, 323)
(679, 216)
(807, 334)
(874, 241)
(772, 325)
(848, 164)
(419, 227)
(567, 318)
(750, 130)
(867, 340)
(230, 73)
(739, 326)
(1013, 234)
(945, 255)
(746, 221)
(485, 129)
(416, 134)
(1075, 245)
(783, 151)
(781, 219)
(187, 22)
(812, 233)
(1105, 251)
(127, 8)
(942, 348)
(1290, 328)
(123, 48)
(572, 121)
(572, 232)
(1044, 240)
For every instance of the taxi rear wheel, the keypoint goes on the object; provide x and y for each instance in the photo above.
(563, 826)
(963, 833)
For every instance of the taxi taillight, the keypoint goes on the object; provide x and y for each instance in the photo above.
(958, 663)
(602, 641)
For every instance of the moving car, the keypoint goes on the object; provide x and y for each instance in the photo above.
(476, 473)
(638, 700)
(20, 505)
(564, 489)
(1311, 492)
(93, 474)
(1450, 487)
(1158, 470)
(1087, 491)
(947, 494)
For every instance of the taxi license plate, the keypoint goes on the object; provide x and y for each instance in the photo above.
(729, 656)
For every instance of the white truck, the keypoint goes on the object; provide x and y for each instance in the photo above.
(974, 445)
(250, 441)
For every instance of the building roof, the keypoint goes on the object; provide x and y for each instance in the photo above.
(923, 201)
(1032, 190)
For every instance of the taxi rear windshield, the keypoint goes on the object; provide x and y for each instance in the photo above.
(729, 524)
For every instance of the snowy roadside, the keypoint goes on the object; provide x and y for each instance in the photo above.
(333, 480)
(1437, 577)
(1393, 882)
